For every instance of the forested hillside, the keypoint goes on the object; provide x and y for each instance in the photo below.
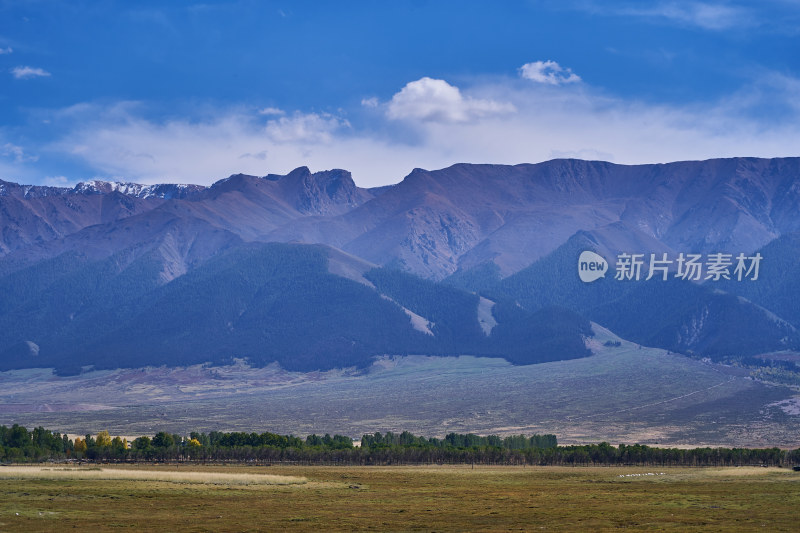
(261, 302)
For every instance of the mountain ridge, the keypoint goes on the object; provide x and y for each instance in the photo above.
(102, 250)
(433, 223)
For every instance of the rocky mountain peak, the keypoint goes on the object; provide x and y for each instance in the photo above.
(329, 192)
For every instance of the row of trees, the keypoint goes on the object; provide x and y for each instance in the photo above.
(17, 444)
(458, 440)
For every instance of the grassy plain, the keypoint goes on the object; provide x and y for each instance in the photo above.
(438, 498)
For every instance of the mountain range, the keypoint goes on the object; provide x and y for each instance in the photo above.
(312, 271)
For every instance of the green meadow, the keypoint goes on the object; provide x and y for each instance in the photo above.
(438, 498)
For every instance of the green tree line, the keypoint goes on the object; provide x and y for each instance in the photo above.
(18, 444)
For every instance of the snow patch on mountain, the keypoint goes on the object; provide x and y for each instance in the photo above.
(485, 317)
(138, 190)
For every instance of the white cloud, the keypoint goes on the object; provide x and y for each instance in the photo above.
(705, 15)
(17, 163)
(432, 100)
(261, 156)
(370, 102)
(6, 50)
(117, 141)
(17, 154)
(271, 111)
(24, 73)
(58, 181)
(440, 127)
(304, 128)
(548, 72)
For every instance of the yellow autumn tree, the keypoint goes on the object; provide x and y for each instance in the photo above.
(103, 439)
(79, 445)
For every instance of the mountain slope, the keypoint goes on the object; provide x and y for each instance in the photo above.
(675, 314)
(263, 302)
(245, 206)
(31, 215)
(435, 222)
(778, 285)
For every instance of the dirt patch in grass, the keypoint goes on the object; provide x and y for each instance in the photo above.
(194, 477)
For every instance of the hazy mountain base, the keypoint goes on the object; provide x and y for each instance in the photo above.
(622, 394)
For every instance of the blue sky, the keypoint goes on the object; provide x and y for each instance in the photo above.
(193, 92)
